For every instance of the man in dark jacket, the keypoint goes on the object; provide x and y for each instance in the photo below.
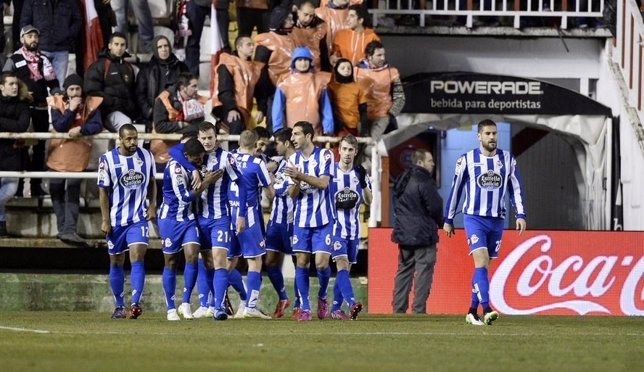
(14, 117)
(59, 22)
(162, 72)
(417, 218)
(112, 78)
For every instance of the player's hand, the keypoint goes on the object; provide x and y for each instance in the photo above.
(151, 212)
(196, 179)
(521, 225)
(232, 116)
(240, 224)
(106, 227)
(75, 132)
(291, 171)
(449, 230)
(362, 175)
(259, 117)
(271, 166)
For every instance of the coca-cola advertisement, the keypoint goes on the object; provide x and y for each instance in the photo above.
(537, 273)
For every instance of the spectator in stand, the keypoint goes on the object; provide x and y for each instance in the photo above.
(234, 83)
(335, 15)
(35, 70)
(112, 78)
(178, 109)
(14, 117)
(162, 72)
(251, 14)
(302, 96)
(59, 23)
(15, 21)
(70, 113)
(385, 95)
(310, 31)
(106, 18)
(349, 101)
(5, 5)
(197, 10)
(350, 42)
(274, 49)
(143, 20)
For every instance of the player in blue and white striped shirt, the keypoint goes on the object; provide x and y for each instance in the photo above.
(214, 220)
(178, 226)
(250, 242)
(127, 194)
(280, 225)
(486, 174)
(311, 170)
(349, 188)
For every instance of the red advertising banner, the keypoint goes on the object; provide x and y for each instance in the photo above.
(539, 272)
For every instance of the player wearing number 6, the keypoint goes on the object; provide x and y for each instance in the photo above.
(127, 194)
(486, 174)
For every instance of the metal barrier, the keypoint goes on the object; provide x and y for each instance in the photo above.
(516, 9)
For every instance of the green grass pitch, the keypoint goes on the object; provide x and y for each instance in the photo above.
(90, 341)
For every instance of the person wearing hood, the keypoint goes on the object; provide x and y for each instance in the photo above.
(417, 217)
(385, 94)
(303, 96)
(162, 72)
(349, 101)
(71, 113)
(350, 42)
(112, 78)
(233, 87)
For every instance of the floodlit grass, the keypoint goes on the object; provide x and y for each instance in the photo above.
(77, 341)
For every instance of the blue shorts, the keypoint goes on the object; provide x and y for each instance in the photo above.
(215, 233)
(176, 234)
(483, 233)
(279, 237)
(121, 238)
(250, 243)
(345, 247)
(313, 239)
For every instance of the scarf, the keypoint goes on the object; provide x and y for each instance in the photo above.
(33, 62)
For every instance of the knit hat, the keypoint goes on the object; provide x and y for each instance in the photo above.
(73, 79)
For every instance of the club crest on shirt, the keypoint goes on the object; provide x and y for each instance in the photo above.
(489, 180)
(132, 179)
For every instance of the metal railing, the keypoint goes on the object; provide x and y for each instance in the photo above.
(516, 9)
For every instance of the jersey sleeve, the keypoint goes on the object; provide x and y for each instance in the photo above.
(180, 183)
(327, 165)
(263, 176)
(460, 172)
(104, 175)
(516, 191)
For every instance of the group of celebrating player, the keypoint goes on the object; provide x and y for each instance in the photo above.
(211, 209)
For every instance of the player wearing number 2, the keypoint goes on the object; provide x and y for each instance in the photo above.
(127, 194)
(486, 174)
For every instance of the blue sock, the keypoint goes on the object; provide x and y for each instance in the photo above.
(169, 280)
(474, 305)
(337, 296)
(323, 277)
(302, 278)
(277, 279)
(254, 280)
(203, 289)
(137, 277)
(482, 283)
(117, 282)
(210, 277)
(235, 279)
(297, 302)
(189, 280)
(343, 280)
(221, 284)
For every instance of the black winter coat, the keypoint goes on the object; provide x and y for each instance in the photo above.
(59, 22)
(14, 117)
(154, 79)
(418, 209)
(113, 79)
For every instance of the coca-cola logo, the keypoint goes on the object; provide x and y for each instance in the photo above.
(489, 180)
(132, 179)
(536, 278)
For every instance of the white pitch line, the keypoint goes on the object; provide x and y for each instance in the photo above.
(15, 329)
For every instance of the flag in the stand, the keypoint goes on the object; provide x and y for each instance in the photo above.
(93, 41)
(216, 44)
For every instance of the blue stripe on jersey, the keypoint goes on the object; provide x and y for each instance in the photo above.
(254, 175)
(177, 197)
(127, 179)
(283, 207)
(347, 224)
(313, 206)
(214, 202)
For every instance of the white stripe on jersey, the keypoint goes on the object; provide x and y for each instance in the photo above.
(313, 206)
(126, 179)
(346, 185)
(283, 207)
(177, 198)
(485, 180)
(213, 203)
